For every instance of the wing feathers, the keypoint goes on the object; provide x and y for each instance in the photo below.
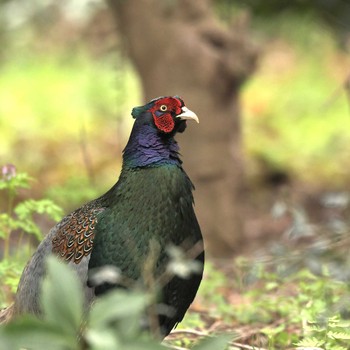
(75, 237)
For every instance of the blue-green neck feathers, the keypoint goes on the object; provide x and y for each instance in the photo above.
(148, 147)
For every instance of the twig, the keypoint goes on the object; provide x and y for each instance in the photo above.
(202, 334)
(190, 331)
(214, 325)
(244, 346)
(175, 347)
(246, 332)
(198, 333)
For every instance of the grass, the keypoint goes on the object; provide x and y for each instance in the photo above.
(273, 312)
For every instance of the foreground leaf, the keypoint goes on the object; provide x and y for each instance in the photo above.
(35, 334)
(62, 300)
(117, 305)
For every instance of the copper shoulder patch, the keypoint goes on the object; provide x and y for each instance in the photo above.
(74, 239)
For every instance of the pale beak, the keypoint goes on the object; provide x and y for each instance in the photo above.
(187, 114)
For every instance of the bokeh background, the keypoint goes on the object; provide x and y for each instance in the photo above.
(270, 81)
(270, 159)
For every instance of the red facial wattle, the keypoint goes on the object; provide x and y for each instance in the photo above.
(164, 122)
(163, 119)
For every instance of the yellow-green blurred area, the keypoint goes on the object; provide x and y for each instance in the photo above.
(297, 106)
(67, 87)
(58, 113)
(65, 110)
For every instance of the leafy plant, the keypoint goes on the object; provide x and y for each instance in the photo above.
(332, 333)
(113, 322)
(18, 218)
(296, 292)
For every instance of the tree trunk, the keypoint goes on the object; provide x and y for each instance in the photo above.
(180, 48)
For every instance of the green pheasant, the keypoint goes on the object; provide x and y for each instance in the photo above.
(133, 226)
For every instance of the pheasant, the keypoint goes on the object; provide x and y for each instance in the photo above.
(134, 224)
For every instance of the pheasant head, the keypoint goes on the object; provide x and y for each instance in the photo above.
(169, 114)
(151, 142)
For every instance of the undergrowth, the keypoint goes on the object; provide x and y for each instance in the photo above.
(18, 222)
(113, 322)
(294, 294)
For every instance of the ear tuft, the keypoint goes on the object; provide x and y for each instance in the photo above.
(136, 111)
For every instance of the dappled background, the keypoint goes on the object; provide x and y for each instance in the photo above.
(270, 90)
(270, 81)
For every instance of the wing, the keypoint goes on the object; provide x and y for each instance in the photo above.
(72, 240)
(75, 235)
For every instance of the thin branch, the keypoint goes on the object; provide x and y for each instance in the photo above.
(175, 347)
(244, 346)
(214, 325)
(190, 331)
(202, 334)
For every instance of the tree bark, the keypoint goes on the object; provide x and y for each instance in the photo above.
(180, 48)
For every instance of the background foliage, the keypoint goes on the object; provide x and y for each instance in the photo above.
(65, 101)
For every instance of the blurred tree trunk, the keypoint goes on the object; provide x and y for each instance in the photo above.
(180, 48)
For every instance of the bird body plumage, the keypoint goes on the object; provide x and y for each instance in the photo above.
(147, 211)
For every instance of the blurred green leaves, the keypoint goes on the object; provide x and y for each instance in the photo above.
(62, 301)
(17, 223)
(113, 322)
(24, 212)
(55, 106)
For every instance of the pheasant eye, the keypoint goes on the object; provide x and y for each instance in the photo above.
(163, 108)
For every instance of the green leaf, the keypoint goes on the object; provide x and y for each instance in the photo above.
(117, 305)
(62, 297)
(339, 335)
(33, 333)
(21, 180)
(102, 339)
(338, 323)
(27, 208)
(272, 331)
(309, 342)
(5, 341)
(343, 324)
(339, 347)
